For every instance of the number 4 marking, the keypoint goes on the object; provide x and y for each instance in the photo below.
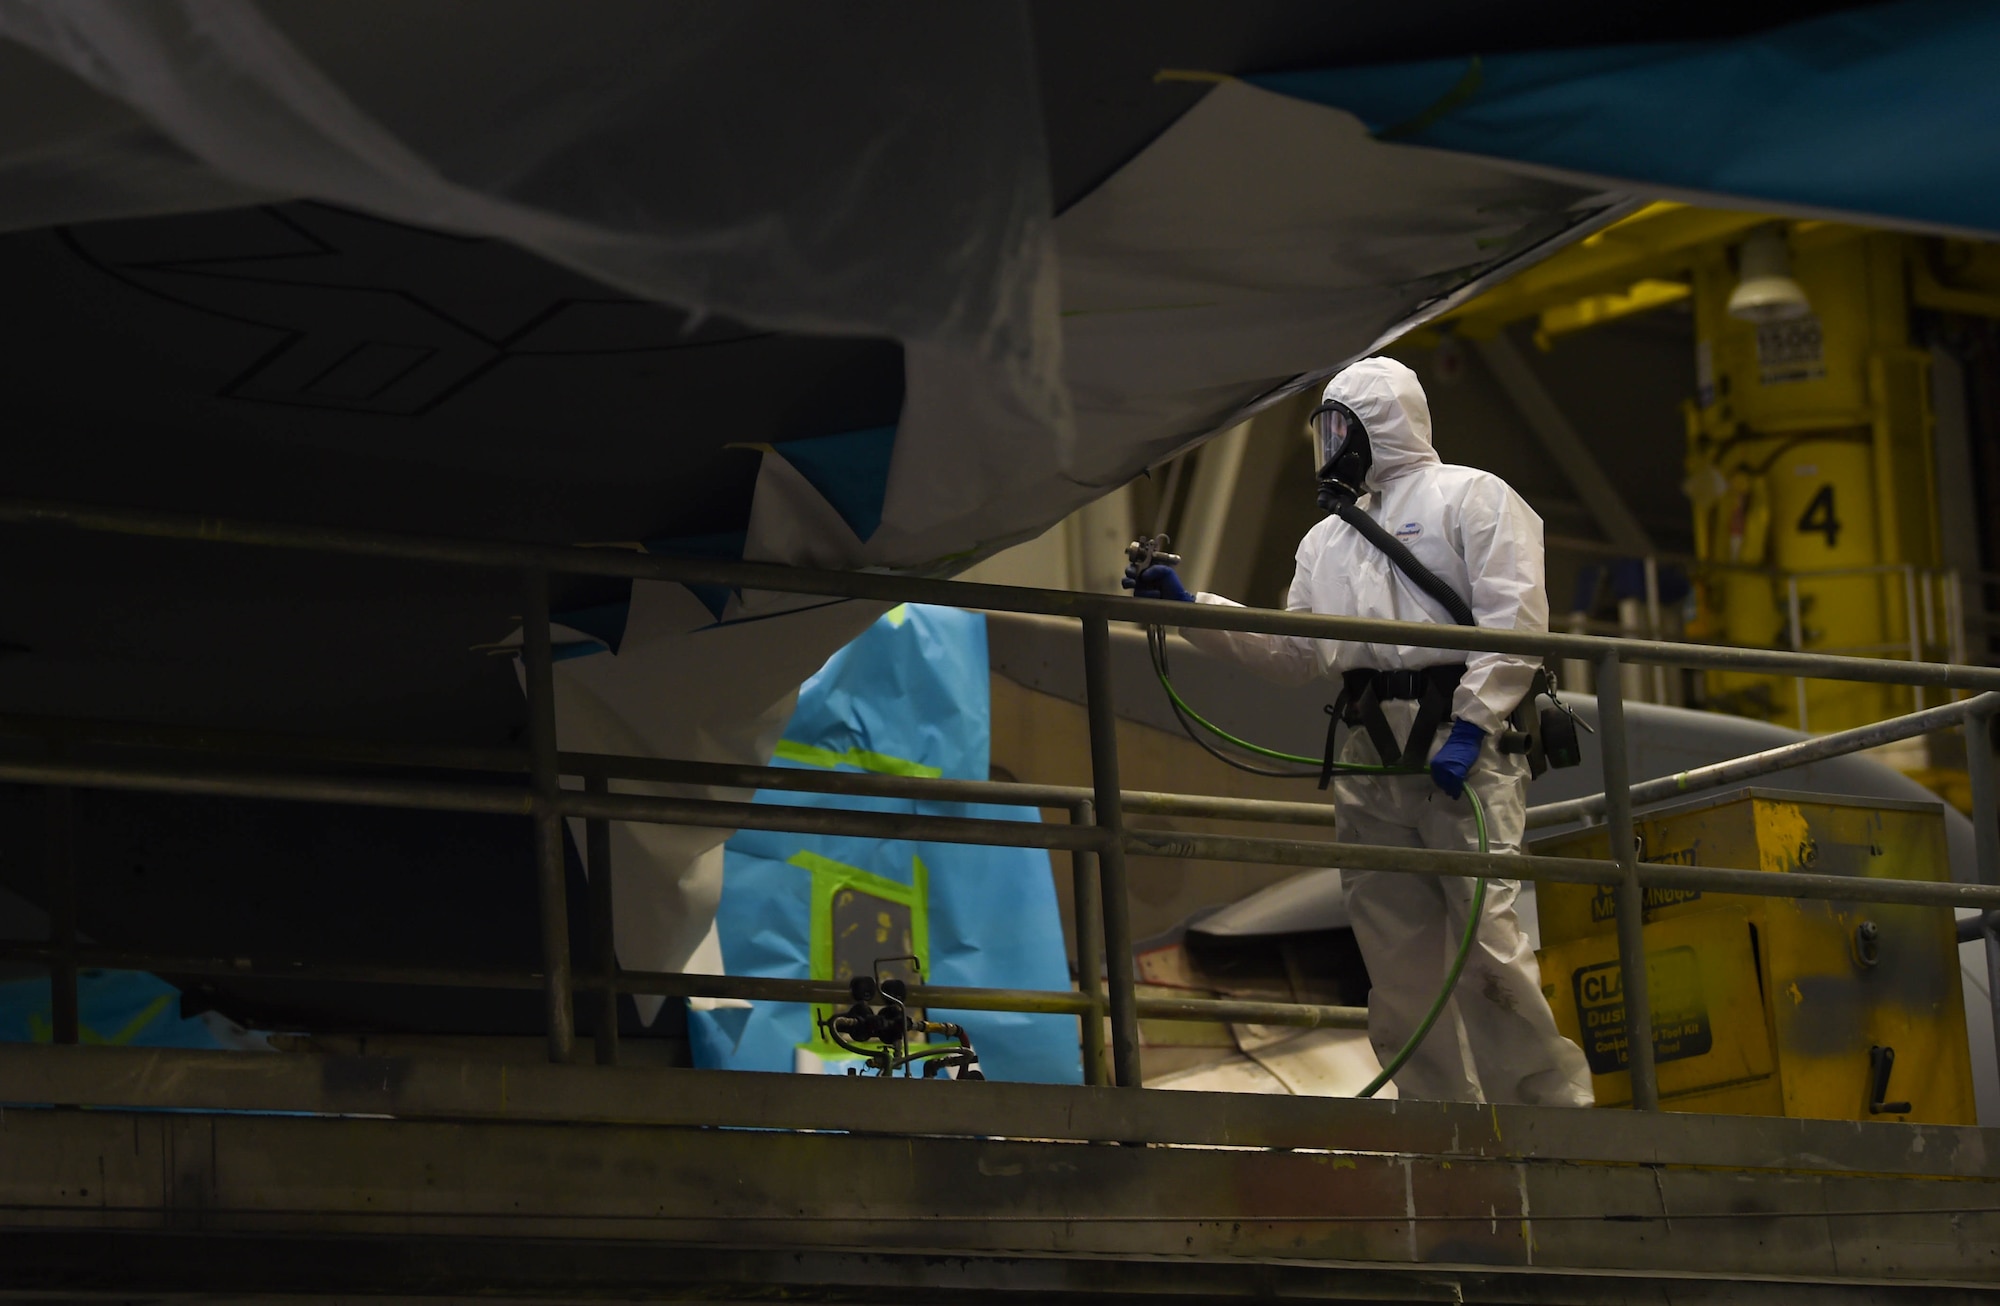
(1818, 518)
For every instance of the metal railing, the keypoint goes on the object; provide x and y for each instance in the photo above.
(1927, 602)
(1097, 832)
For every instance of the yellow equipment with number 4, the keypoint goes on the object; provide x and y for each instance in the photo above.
(1773, 1006)
(1811, 473)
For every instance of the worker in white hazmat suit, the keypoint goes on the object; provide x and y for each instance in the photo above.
(1497, 1041)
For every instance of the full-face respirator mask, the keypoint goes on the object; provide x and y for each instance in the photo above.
(1341, 444)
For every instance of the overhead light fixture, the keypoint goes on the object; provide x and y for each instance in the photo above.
(1765, 291)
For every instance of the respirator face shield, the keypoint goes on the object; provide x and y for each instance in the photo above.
(1340, 443)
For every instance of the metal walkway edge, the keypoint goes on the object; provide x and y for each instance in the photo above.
(152, 1174)
(422, 1178)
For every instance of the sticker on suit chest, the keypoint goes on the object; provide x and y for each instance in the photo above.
(1409, 530)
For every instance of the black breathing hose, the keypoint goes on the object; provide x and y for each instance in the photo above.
(1345, 508)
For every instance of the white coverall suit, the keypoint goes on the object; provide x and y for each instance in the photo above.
(1497, 1041)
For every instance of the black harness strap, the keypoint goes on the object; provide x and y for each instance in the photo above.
(1406, 562)
(1433, 707)
(1362, 694)
(1364, 691)
(1369, 708)
(1334, 711)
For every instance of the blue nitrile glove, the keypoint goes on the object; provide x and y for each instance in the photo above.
(1455, 757)
(1157, 583)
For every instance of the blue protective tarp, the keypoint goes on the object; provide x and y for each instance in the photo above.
(910, 696)
(851, 471)
(1891, 110)
(118, 1007)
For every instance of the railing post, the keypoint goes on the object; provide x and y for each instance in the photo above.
(1631, 898)
(1111, 858)
(1986, 843)
(1795, 626)
(1916, 641)
(1954, 620)
(1929, 591)
(603, 940)
(64, 1018)
(1653, 624)
(1087, 892)
(545, 775)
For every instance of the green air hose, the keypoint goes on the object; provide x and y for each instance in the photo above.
(1457, 964)
(1156, 639)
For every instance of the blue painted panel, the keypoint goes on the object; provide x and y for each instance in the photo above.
(1892, 110)
(911, 693)
(851, 471)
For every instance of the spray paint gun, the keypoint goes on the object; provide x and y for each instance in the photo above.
(1147, 551)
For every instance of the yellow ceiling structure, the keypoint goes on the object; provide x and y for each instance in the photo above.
(1636, 264)
(1643, 262)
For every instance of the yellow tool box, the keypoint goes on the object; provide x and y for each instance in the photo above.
(1773, 1006)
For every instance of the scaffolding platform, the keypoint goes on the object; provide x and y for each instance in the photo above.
(166, 1174)
(152, 1175)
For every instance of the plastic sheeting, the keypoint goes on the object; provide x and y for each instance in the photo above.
(684, 153)
(1310, 900)
(1890, 111)
(686, 685)
(735, 209)
(690, 153)
(836, 169)
(1265, 237)
(120, 1008)
(910, 697)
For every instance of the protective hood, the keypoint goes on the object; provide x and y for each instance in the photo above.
(1385, 395)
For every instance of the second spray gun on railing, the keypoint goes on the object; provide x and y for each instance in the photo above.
(879, 1024)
